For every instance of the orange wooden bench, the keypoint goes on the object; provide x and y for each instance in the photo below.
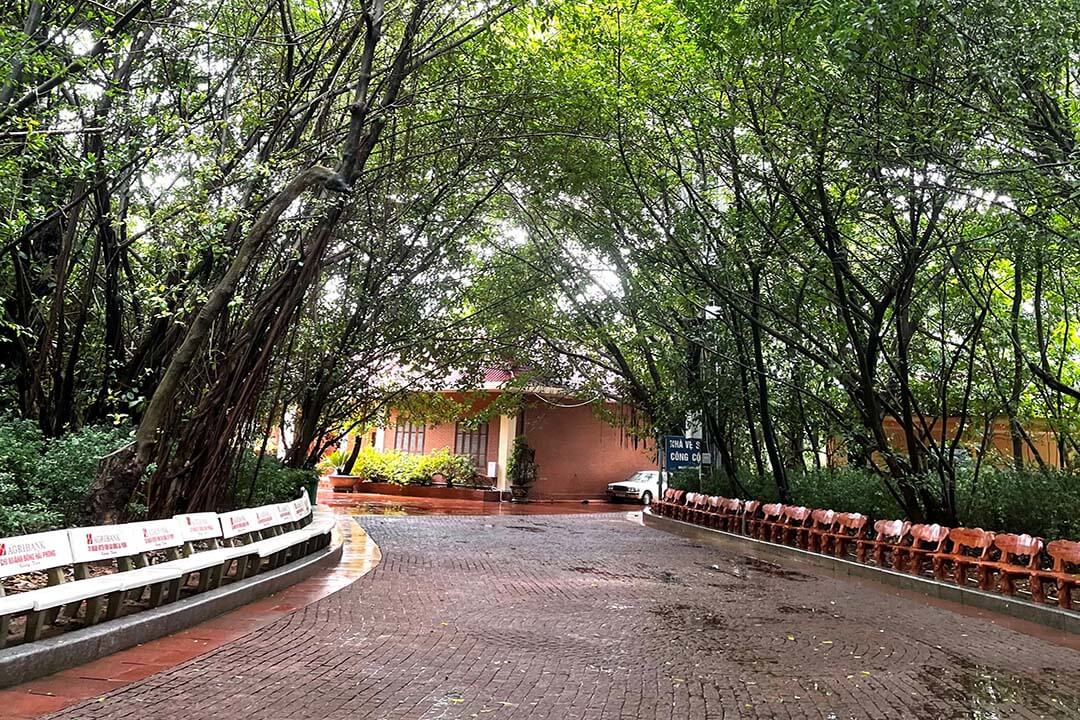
(849, 528)
(794, 528)
(821, 530)
(926, 540)
(1010, 564)
(676, 505)
(771, 525)
(963, 549)
(1065, 573)
(889, 537)
(750, 518)
(730, 516)
(691, 509)
(667, 504)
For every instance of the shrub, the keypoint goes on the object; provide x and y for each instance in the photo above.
(274, 482)
(394, 466)
(457, 469)
(44, 482)
(1043, 503)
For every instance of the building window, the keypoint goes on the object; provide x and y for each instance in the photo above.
(409, 437)
(472, 442)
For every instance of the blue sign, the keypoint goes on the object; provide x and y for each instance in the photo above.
(681, 452)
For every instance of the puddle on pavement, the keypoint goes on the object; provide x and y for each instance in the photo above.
(985, 693)
(526, 528)
(378, 509)
(773, 569)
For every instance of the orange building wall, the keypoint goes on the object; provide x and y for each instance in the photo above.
(437, 437)
(998, 448)
(578, 454)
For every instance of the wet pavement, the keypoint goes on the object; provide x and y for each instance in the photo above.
(397, 505)
(583, 616)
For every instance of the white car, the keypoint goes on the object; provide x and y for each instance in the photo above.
(642, 486)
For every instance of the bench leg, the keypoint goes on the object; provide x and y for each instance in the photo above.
(52, 614)
(176, 586)
(157, 593)
(33, 626)
(1037, 592)
(116, 602)
(204, 578)
(93, 611)
(1064, 595)
(1007, 585)
(4, 623)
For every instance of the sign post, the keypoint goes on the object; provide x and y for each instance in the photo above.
(681, 452)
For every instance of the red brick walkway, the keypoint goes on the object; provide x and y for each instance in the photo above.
(592, 616)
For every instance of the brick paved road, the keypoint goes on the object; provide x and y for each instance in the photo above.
(591, 616)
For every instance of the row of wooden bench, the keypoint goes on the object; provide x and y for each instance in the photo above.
(997, 560)
(95, 569)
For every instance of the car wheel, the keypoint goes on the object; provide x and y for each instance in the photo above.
(646, 498)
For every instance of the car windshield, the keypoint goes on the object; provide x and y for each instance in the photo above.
(643, 476)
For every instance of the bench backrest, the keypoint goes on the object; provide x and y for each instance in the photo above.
(772, 510)
(731, 505)
(891, 530)
(1016, 546)
(823, 519)
(971, 541)
(102, 542)
(852, 522)
(264, 517)
(751, 507)
(929, 534)
(155, 535)
(236, 523)
(34, 553)
(305, 502)
(1065, 553)
(796, 513)
(286, 513)
(199, 526)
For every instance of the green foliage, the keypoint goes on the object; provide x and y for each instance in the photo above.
(457, 469)
(1041, 503)
(44, 482)
(273, 483)
(522, 468)
(332, 462)
(394, 466)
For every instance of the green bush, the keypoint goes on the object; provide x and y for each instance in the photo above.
(394, 466)
(457, 469)
(1042, 503)
(44, 482)
(274, 482)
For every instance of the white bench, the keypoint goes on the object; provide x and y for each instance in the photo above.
(202, 544)
(276, 533)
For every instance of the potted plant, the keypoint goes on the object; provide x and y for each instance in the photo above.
(331, 465)
(522, 470)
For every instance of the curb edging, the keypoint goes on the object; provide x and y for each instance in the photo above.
(1032, 612)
